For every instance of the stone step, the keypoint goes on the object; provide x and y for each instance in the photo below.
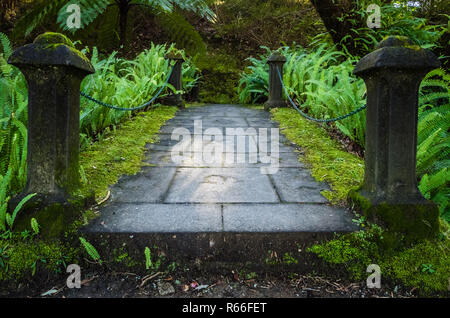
(258, 235)
(221, 210)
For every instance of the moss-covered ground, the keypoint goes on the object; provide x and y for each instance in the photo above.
(120, 152)
(326, 158)
(424, 266)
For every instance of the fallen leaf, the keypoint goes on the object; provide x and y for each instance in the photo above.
(194, 284)
(50, 292)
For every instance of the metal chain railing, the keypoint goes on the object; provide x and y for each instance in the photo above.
(315, 119)
(132, 108)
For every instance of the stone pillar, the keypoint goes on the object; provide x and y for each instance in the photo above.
(176, 80)
(392, 74)
(275, 61)
(53, 69)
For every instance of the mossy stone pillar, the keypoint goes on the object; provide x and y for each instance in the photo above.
(392, 74)
(276, 62)
(176, 80)
(53, 69)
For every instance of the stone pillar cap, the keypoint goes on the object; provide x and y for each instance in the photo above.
(51, 49)
(397, 52)
(276, 57)
(174, 55)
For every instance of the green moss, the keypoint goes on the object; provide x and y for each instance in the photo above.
(220, 76)
(406, 223)
(26, 257)
(399, 260)
(355, 251)
(326, 158)
(101, 170)
(53, 38)
(122, 257)
(99, 161)
(288, 259)
(52, 41)
(407, 266)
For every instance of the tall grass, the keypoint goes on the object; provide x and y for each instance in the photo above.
(127, 83)
(322, 83)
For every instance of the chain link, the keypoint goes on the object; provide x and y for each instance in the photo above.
(133, 108)
(315, 119)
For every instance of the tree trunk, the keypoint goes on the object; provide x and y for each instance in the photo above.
(124, 7)
(330, 11)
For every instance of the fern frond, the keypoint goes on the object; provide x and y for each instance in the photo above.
(89, 9)
(40, 13)
(182, 33)
(90, 249)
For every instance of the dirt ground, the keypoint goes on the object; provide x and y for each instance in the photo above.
(129, 285)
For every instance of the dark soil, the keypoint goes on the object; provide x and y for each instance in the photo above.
(189, 285)
(348, 144)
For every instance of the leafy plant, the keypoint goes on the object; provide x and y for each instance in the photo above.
(126, 83)
(4, 258)
(117, 81)
(148, 258)
(35, 226)
(153, 265)
(397, 18)
(90, 249)
(322, 84)
(91, 10)
(428, 268)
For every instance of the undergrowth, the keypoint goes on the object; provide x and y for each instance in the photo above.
(119, 152)
(326, 158)
(424, 266)
(322, 84)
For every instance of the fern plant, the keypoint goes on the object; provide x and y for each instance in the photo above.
(148, 258)
(322, 83)
(13, 118)
(397, 18)
(126, 83)
(91, 9)
(117, 81)
(35, 226)
(90, 249)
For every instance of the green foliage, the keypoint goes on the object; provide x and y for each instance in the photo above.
(153, 265)
(325, 157)
(4, 258)
(323, 87)
(124, 83)
(182, 33)
(41, 12)
(148, 258)
(13, 116)
(116, 81)
(90, 10)
(10, 218)
(265, 22)
(397, 18)
(428, 268)
(34, 226)
(424, 265)
(322, 83)
(25, 257)
(46, 10)
(91, 251)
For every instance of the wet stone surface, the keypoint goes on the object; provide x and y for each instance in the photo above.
(215, 182)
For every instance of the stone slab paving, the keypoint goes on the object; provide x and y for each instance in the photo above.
(212, 185)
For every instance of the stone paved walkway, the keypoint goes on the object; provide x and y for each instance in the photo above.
(226, 194)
